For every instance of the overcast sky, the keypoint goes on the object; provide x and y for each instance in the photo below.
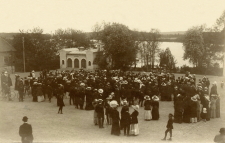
(165, 15)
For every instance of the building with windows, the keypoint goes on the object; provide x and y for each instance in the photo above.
(7, 56)
(78, 58)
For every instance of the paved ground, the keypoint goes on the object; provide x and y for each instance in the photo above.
(76, 125)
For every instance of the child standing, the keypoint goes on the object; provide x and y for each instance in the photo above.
(60, 98)
(204, 114)
(134, 129)
(169, 127)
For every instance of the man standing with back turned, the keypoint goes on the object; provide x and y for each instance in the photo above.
(25, 131)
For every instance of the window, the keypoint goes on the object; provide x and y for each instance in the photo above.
(83, 63)
(6, 60)
(63, 62)
(76, 63)
(89, 63)
(69, 63)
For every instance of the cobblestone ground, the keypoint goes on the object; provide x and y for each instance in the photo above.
(76, 125)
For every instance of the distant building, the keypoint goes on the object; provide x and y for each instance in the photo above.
(78, 58)
(7, 56)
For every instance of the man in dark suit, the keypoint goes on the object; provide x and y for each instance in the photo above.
(25, 131)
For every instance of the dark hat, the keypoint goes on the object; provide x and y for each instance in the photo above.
(222, 130)
(25, 118)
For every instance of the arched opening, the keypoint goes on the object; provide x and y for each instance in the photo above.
(62, 62)
(89, 63)
(69, 63)
(83, 63)
(76, 63)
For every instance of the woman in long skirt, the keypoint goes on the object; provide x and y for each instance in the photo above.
(95, 103)
(218, 107)
(155, 108)
(147, 105)
(115, 118)
(134, 129)
(193, 109)
(213, 106)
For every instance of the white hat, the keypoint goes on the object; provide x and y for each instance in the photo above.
(135, 107)
(100, 91)
(147, 97)
(155, 98)
(82, 84)
(113, 104)
(88, 88)
(193, 99)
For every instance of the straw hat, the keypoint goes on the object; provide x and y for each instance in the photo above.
(100, 91)
(147, 97)
(110, 97)
(193, 99)
(135, 107)
(155, 98)
(88, 88)
(113, 104)
(100, 101)
(82, 84)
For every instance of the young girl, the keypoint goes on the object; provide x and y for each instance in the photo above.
(169, 127)
(134, 129)
(204, 114)
(95, 103)
(147, 105)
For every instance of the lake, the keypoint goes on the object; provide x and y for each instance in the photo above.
(176, 50)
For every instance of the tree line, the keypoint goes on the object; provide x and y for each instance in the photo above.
(204, 46)
(122, 48)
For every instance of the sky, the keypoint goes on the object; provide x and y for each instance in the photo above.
(142, 15)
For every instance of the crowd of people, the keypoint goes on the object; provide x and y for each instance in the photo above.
(103, 91)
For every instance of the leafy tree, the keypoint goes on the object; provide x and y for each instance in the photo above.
(167, 59)
(148, 43)
(40, 51)
(69, 38)
(119, 45)
(219, 25)
(194, 46)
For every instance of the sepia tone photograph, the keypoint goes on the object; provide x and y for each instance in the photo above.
(105, 71)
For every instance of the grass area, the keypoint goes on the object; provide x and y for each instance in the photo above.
(76, 125)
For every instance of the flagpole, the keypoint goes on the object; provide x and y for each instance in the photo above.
(24, 67)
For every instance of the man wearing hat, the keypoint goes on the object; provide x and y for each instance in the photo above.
(25, 131)
(220, 138)
(100, 113)
(21, 90)
(123, 113)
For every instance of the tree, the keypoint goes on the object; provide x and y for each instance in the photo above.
(148, 43)
(167, 59)
(194, 46)
(219, 25)
(40, 51)
(69, 38)
(119, 45)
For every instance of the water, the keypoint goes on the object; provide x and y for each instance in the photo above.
(176, 50)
